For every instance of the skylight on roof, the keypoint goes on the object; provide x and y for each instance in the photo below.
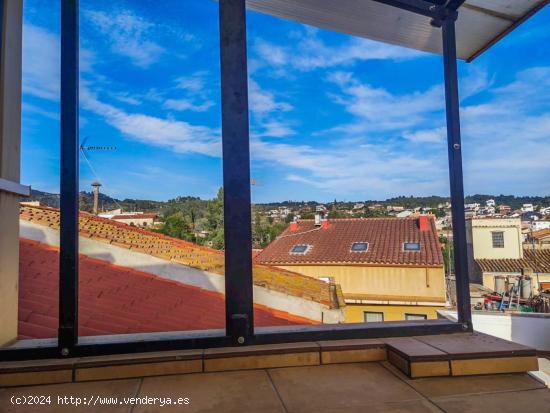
(359, 246)
(411, 246)
(300, 249)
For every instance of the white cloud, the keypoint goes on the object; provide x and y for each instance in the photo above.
(309, 52)
(195, 91)
(368, 170)
(185, 104)
(377, 109)
(274, 129)
(128, 34)
(176, 135)
(41, 62)
(437, 135)
(194, 83)
(262, 101)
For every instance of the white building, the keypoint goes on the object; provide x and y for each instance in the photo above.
(404, 214)
(538, 225)
(490, 203)
(527, 208)
(138, 219)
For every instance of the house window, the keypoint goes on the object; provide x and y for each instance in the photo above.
(360, 246)
(411, 246)
(498, 239)
(373, 317)
(300, 249)
(416, 316)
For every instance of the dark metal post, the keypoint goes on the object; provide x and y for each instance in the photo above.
(455, 172)
(236, 172)
(68, 257)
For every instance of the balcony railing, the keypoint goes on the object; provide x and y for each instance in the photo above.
(239, 328)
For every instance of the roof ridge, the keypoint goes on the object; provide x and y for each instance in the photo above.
(369, 218)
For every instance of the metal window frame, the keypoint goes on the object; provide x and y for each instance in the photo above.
(499, 242)
(304, 252)
(239, 328)
(405, 249)
(360, 242)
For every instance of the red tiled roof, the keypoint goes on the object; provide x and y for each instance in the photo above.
(182, 252)
(119, 300)
(333, 244)
(541, 234)
(538, 261)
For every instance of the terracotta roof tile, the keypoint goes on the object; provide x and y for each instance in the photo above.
(183, 252)
(117, 300)
(332, 245)
(541, 234)
(538, 261)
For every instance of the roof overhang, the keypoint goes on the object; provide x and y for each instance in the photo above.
(480, 23)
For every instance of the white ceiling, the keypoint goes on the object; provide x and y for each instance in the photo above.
(480, 23)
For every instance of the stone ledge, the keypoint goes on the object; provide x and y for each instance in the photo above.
(416, 357)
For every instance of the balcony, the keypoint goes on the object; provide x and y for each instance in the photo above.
(106, 310)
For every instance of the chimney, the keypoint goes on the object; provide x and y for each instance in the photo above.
(424, 223)
(294, 226)
(318, 219)
(95, 190)
(324, 223)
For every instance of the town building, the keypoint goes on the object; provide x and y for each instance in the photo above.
(504, 209)
(537, 225)
(540, 239)
(137, 219)
(496, 254)
(388, 268)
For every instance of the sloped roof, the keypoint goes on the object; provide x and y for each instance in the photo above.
(119, 300)
(182, 252)
(480, 23)
(333, 244)
(541, 234)
(538, 261)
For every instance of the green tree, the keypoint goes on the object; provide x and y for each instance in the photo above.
(214, 221)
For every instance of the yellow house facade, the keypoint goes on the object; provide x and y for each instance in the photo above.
(389, 280)
(399, 293)
(497, 254)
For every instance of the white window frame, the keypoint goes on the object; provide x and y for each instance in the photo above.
(373, 312)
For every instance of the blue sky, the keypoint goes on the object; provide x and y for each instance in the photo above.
(332, 116)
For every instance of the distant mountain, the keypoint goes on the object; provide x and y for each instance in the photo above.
(185, 202)
(45, 198)
(52, 200)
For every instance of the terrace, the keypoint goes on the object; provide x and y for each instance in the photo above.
(438, 365)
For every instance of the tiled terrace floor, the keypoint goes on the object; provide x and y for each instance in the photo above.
(356, 387)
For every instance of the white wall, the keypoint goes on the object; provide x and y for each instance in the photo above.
(532, 330)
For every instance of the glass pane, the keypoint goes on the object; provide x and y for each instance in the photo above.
(151, 196)
(32, 260)
(415, 317)
(342, 173)
(371, 317)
